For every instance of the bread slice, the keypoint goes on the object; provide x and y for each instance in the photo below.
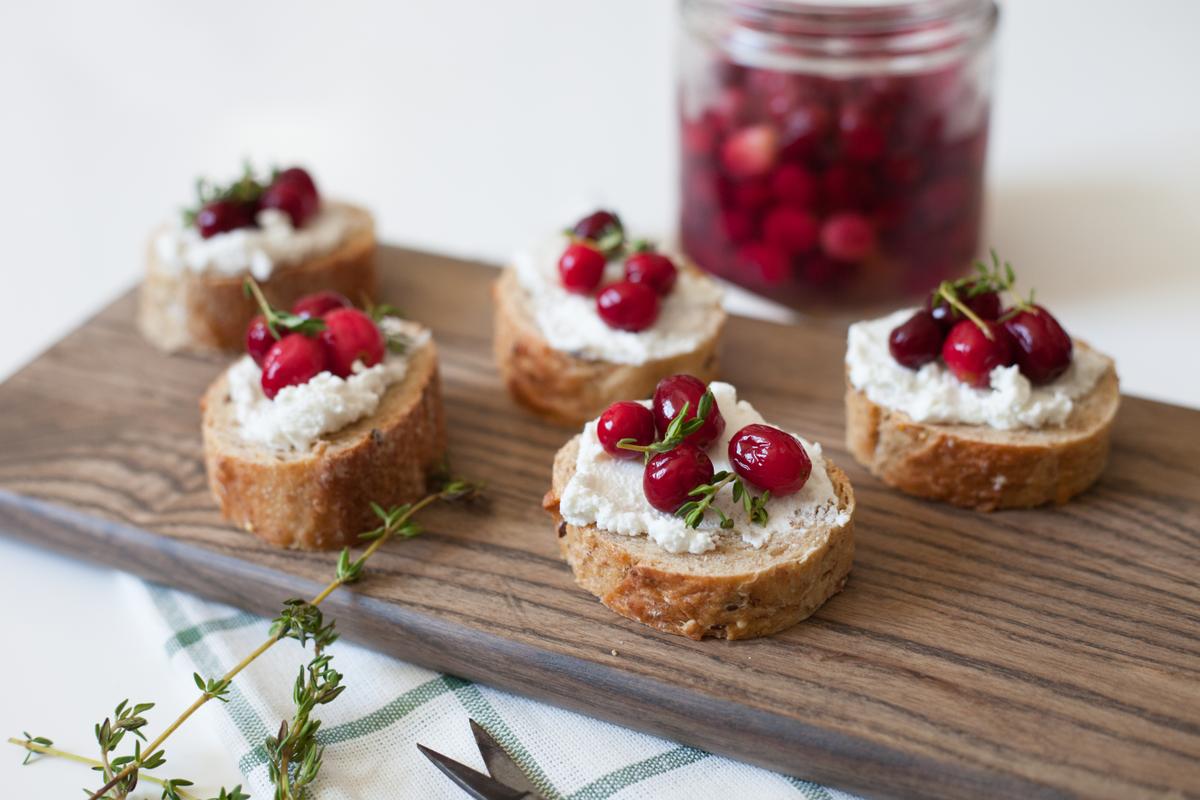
(568, 389)
(735, 591)
(979, 467)
(320, 499)
(200, 311)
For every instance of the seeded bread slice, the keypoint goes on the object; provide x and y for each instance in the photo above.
(199, 311)
(735, 591)
(320, 499)
(979, 467)
(565, 388)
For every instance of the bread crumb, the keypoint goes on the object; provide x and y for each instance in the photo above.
(615, 653)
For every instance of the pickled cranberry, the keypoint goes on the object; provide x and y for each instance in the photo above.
(318, 304)
(670, 395)
(671, 476)
(1042, 348)
(737, 225)
(700, 135)
(791, 229)
(294, 193)
(258, 339)
(862, 138)
(625, 420)
(804, 129)
(763, 264)
(770, 459)
(847, 237)
(971, 355)
(628, 306)
(917, 341)
(349, 336)
(653, 269)
(847, 188)
(795, 186)
(750, 151)
(986, 305)
(293, 360)
(222, 216)
(581, 267)
(752, 194)
(595, 225)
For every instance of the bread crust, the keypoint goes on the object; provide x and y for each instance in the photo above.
(570, 390)
(671, 592)
(982, 468)
(320, 499)
(204, 312)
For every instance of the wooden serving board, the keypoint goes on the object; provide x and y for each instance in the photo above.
(1020, 654)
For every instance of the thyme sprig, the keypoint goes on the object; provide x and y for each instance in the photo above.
(279, 322)
(693, 511)
(680, 428)
(995, 278)
(246, 189)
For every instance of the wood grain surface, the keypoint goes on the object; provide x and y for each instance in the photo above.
(1050, 653)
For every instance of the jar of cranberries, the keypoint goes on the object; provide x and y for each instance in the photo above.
(833, 155)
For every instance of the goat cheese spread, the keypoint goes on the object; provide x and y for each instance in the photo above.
(256, 250)
(933, 394)
(607, 492)
(688, 314)
(299, 415)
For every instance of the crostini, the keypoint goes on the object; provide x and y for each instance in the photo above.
(278, 230)
(689, 514)
(329, 411)
(589, 316)
(977, 404)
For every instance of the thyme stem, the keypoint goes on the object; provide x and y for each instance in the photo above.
(54, 752)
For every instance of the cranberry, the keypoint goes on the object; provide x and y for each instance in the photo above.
(791, 229)
(293, 194)
(750, 151)
(628, 306)
(986, 305)
(737, 225)
(671, 476)
(700, 135)
(861, 136)
(349, 336)
(581, 267)
(670, 395)
(595, 225)
(845, 187)
(971, 355)
(625, 420)
(222, 216)
(1041, 346)
(804, 130)
(917, 341)
(653, 269)
(847, 237)
(770, 459)
(763, 264)
(795, 186)
(318, 304)
(291, 361)
(258, 339)
(298, 175)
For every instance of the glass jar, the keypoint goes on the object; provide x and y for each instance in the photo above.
(833, 155)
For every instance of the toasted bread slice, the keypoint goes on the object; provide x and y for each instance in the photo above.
(735, 591)
(201, 311)
(568, 389)
(320, 499)
(979, 467)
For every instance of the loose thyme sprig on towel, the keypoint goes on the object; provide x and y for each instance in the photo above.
(680, 428)
(280, 322)
(295, 756)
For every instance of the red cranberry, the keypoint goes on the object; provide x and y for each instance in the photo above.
(804, 130)
(671, 476)
(986, 305)
(653, 269)
(222, 216)
(845, 187)
(293, 193)
(750, 151)
(293, 360)
(595, 225)
(628, 306)
(258, 339)
(670, 395)
(763, 264)
(298, 175)
(581, 267)
(847, 237)
(625, 420)
(1041, 346)
(349, 336)
(318, 304)
(861, 136)
(795, 186)
(770, 459)
(737, 225)
(700, 135)
(971, 355)
(917, 341)
(791, 229)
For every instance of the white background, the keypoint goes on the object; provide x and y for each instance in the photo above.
(467, 127)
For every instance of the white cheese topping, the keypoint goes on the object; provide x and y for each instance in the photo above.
(607, 492)
(299, 415)
(933, 394)
(256, 250)
(569, 322)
